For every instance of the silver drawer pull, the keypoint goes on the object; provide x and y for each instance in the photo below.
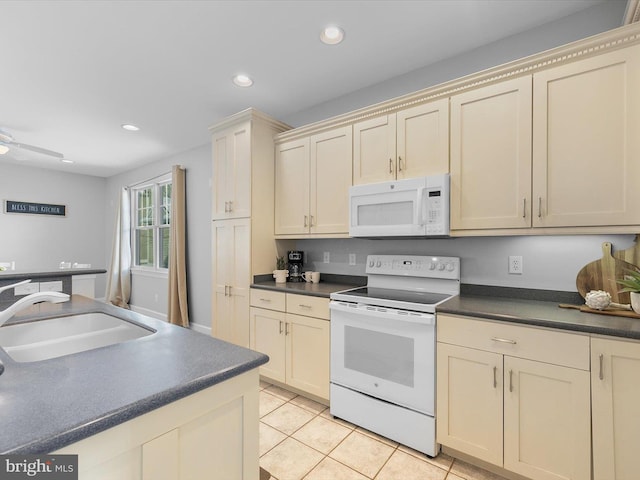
(495, 377)
(601, 373)
(503, 340)
(511, 380)
(304, 306)
(268, 300)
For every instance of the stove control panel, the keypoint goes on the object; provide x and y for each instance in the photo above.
(414, 266)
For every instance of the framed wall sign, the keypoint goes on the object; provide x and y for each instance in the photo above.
(12, 206)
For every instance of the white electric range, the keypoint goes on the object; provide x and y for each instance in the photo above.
(383, 340)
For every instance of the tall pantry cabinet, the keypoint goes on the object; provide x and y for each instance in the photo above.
(242, 211)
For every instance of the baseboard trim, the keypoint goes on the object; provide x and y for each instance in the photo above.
(149, 313)
(200, 329)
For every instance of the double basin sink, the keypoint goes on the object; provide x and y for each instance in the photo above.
(55, 337)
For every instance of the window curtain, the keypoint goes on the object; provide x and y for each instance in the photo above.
(119, 279)
(177, 311)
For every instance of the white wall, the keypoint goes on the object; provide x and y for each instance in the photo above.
(41, 242)
(550, 262)
(149, 294)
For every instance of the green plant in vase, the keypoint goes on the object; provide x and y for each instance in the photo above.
(631, 284)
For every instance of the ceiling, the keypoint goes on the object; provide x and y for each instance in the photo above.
(74, 71)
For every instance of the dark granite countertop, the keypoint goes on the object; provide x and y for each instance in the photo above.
(34, 274)
(46, 405)
(537, 307)
(329, 283)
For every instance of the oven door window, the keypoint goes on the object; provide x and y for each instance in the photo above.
(381, 355)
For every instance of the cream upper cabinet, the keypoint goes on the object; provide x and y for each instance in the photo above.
(292, 187)
(412, 142)
(586, 142)
(313, 176)
(615, 389)
(231, 277)
(232, 172)
(491, 156)
(517, 397)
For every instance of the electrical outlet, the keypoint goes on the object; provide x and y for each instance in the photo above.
(26, 289)
(352, 259)
(326, 258)
(515, 264)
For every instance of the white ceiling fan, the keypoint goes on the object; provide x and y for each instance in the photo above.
(7, 143)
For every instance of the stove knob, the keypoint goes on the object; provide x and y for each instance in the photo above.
(371, 263)
(432, 266)
(441, 266)
(378, 263)
(450, 267)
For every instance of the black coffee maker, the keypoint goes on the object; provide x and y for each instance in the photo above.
(295, 258)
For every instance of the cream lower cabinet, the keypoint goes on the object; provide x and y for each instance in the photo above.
(211, 434)
(231, 273)
(615, 389)
(516, 397)
(293, 330)
(412, 142)
(313, 176)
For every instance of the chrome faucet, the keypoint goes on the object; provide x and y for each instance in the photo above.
(24, 302)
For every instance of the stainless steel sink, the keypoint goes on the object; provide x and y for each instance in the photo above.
(55, 337)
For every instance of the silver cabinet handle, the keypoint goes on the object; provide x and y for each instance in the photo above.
(226, 291)
(524, 207)
(304, 306)
(286, 328)
(311, 220)
(390, 165)
(226, 207)
(281, 322)
(230, 206)
(503, 340)
(495, 377)
(511, 380)
(305, 221)
(230, 290)
(601, 373)
(539, 207)
(399, 163)
(266, 300)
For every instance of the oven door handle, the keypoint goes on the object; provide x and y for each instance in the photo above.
(382, 312)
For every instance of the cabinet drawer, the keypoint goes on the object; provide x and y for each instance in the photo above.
(307, 305)
(544, 345)
(267, 299)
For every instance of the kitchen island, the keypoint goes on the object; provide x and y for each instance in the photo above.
(172, 400)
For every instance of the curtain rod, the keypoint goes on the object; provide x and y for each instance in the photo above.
(131, 185)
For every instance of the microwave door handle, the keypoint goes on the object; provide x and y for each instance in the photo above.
(420, 210)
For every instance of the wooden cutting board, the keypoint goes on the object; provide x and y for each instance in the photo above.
(631, 254)
(602, 275)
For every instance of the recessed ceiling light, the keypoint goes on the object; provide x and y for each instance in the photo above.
(66, 160)
(130, 127)
(332, 35)
(3, 149)
(242, 80)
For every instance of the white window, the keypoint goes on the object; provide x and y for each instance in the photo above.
(151, 216)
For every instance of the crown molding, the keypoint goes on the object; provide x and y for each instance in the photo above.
(608, 41)
(632, 13)
(250, 114)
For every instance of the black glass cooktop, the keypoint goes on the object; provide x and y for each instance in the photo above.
(371, 293)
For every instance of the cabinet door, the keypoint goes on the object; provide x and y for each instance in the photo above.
(231, 272)
(161, 458)
(232, 172)
(292, 187)
(615, 389)
(469, 401)
(586, 142)
(267, 336)
(491, 156)
(307, 341)
(374, 150)
(547, 412)
(330, 178)
(423, 140)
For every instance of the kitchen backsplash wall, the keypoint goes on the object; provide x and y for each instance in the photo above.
(549, 262)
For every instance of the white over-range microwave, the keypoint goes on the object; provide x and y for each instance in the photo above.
(414, 207)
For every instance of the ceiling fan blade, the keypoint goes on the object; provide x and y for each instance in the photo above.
(44, 151)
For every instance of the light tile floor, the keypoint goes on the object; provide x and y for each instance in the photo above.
(299, 439)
